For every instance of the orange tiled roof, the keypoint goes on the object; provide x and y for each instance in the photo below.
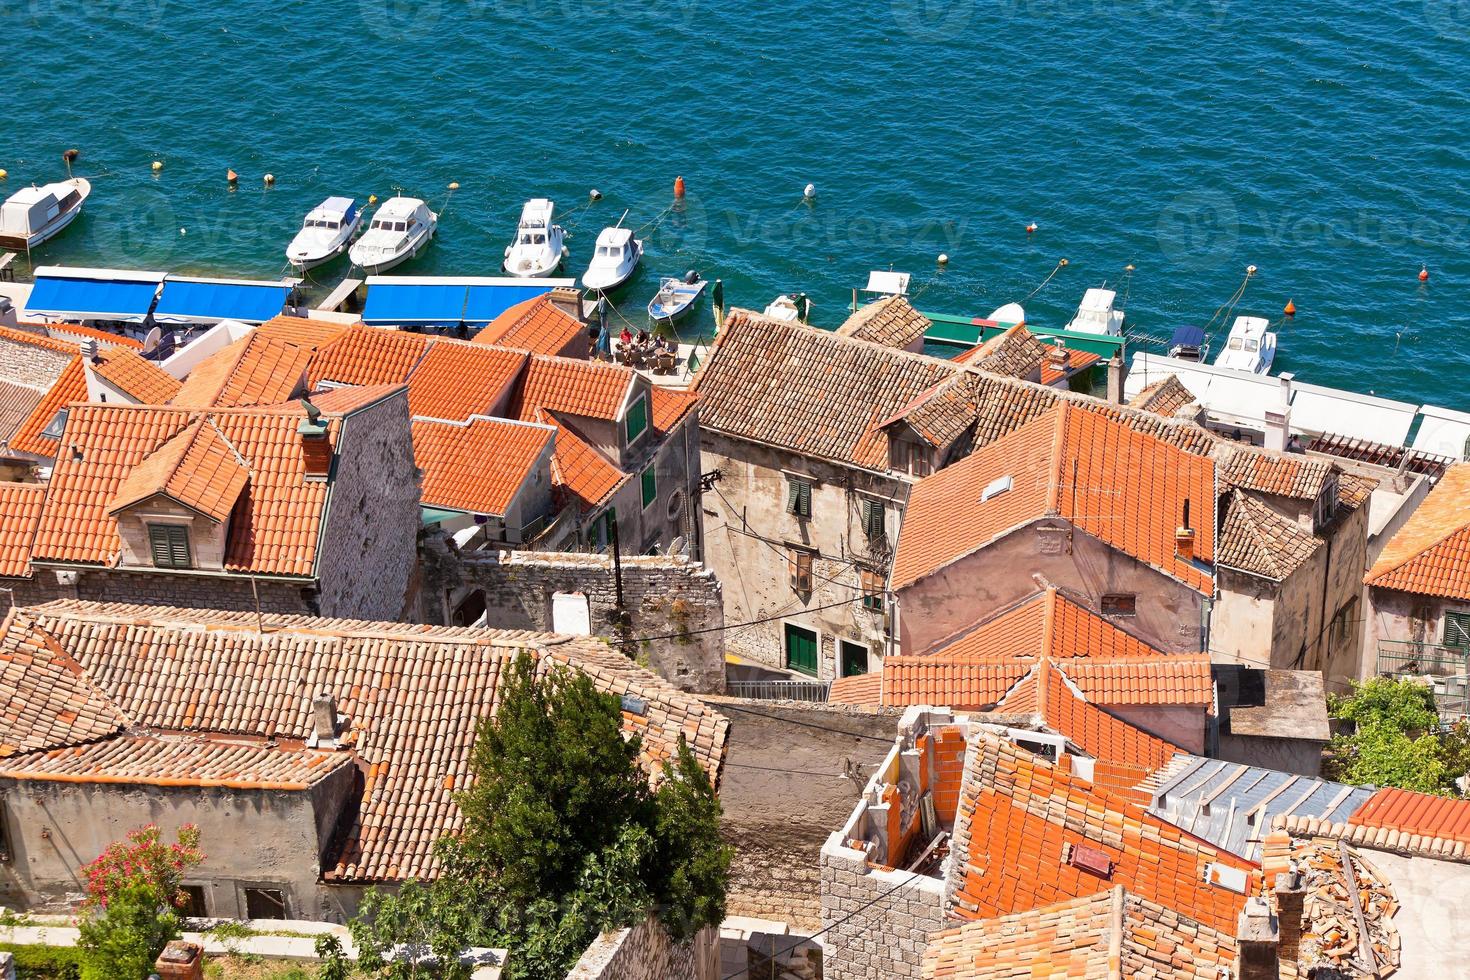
(1125, 487)
(1256, 539)
(1164, 397)
(453, 455)
(1415, 814)
(1286, 475)
(255, 370)
(37, 339)
(455, 380)
(670, 407)
(70, 387)
(151, 760)
(368, 356)
(864, 690)
(1014, 352)
(20, 511)
(1112, 934)
(1077, 360)
(566, 386)
(891, 321)
(197, 467)
(301, 331)
(77, 333)
(398, 688)
(1430, 554)
(45, 698)
(579, 469)
(536, 325)
(135, 376)
(1018, 812)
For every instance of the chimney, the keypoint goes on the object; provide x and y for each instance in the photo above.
(1184, 537)
(1278, 420)
(1291, 897)
(316, 448)
(324, 720)
(1058, 356)
(90, 351)
(1117, 374)
(1259, 943)
(180, 961)
(569, 301)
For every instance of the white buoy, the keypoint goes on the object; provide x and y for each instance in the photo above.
(595, 194)
(454, 185)
(269, 179)
(183, 231)
(943, 259)
(809, 192)
(157, 165)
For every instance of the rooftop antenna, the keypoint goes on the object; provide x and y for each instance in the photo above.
(313, 414)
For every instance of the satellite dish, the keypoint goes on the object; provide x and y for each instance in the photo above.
(678, 546)
(152, 340)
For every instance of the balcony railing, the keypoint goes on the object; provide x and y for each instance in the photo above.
(1446, 669)
(775, 690)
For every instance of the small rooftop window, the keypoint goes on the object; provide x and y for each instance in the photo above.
(996, 487)
(56, 426)
(1093, 860)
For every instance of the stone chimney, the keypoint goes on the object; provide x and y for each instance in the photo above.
(569, 301)
(1117, 375)
(1259, 943)
(316, 448)
(1291, 898)
(324, 720)
(1184, 537)
(1278, 420)
(180, 961)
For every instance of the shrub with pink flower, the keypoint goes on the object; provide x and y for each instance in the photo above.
(143, 859)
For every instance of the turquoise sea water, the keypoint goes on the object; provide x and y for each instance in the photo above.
(1324, 142)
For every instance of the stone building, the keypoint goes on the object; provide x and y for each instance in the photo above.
(333, 769)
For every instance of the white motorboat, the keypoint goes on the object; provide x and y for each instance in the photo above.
(538, 248)
(1097, 314)
(614, 260)
(791, 307)
(35, 214)
(1010, 314)
(676, 297)
(325, 234)
(1250, 346)
(401, 229)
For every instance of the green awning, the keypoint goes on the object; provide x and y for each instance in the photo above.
(964, 331)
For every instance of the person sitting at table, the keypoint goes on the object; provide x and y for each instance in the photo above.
(625, 337)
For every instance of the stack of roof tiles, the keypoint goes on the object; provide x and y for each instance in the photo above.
(107, 693)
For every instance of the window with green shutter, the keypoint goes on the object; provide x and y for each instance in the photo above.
(650, 487)
(636, 421)
(1457, 629)
(799, 497)
(170, 546)
(873, 524)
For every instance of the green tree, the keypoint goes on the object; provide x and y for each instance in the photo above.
(134, 893)
(1396, 739)
(563, 838)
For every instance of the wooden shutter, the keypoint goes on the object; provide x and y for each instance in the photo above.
(1457, 629)
(170, 545)
(873, 519)
(799, 497)
(801, 570)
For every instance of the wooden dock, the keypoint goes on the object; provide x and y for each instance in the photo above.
(339, 296)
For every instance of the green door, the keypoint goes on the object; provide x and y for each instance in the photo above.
(801, 649)
(854, 659)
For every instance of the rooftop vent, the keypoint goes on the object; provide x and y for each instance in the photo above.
(324, 720)
(1090, 859)
(996, 487)
(635, 706)
(1224, 876)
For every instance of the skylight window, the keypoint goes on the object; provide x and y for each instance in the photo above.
(996, 487)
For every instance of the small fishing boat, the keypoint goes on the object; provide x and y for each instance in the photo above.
(538, 248)
(1189, 344)
(1010, 314)
(36, 214)
(1250, 347)
(401, 229)
(614, 260)
(1096, 314)
(676, 297)
(791, 307)
(325, 234)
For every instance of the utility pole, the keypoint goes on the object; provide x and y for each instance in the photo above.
(620, 616)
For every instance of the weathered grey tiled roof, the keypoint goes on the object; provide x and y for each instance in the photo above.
(1256, 539)
(1232, 805)
(1163, 397)
(1016, 353)
(1288, 475)
(891, 321)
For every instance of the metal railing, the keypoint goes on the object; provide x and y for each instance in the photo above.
(1447, 669)
(779, 690)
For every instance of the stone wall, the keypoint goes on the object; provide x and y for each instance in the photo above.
(154, 588)
(663, 596)
(878, 921)
(646, 952)
(31, 364)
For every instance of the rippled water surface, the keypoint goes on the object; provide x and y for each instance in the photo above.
(1323, 142)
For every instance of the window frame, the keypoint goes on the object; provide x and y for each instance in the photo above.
(874, 511)
(170, 545)
(799, 497)
(874, 599)
(1123, 603)
(285, 902)
(802, 562)
(640, 406)
(1460, 620)
(786, 634)
(648, 486)
(843, 647)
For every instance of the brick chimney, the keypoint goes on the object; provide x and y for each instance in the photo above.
(324, 720)
(316, 448)
(1291, 898)
(1117, 375)
(1184, 537)
(180, 961)
(569, 301)
(1278, 420)
(1259, 943)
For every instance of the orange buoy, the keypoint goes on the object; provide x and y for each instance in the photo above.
(70, 156)
(678, 186)
(1031, 228)
(231, 176)
(1290, 308)
(1424, 274)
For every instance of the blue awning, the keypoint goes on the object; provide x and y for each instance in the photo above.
(210, 301)
(419, 303)
(485, 303)
(99, 298)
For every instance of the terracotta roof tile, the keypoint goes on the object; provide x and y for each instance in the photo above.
(536, 325)
(368, 356)
(1014, 352)
(1018, 812)
(70, 387)
(1125, 487)
(1163, 397)
(1076, 939)
(941, 414)
(891, 321)
(20, 512)
(197, 468)
(670, 407)
(564, 385)
(1053, 371)
(17, 403)
(135, 376)
(39, 338)
(382, 676)
(579, 470)
(1412, 813)
(1256, 539)
(456, 380)
(453, 455)
(1286, 475)
(1430, 554)
(76, 333)
(859, 689)
(301, 331)
(152, 760)
(256, 370)
(45, 698)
